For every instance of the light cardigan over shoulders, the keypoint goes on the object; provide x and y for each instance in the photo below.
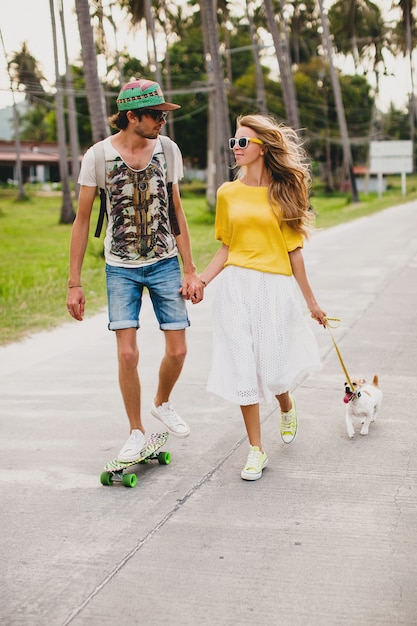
(256, 237)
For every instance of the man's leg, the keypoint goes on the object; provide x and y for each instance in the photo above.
(169, 371)
(128, 357)
(171, 364)
(164, 286)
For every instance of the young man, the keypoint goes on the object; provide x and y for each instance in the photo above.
(141, 245)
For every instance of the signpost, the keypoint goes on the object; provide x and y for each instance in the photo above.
(391, 157)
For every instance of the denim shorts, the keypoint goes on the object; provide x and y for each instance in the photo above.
(125, 288)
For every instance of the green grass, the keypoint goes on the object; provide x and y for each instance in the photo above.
(337, 208)
(34, 261)
(34, 266)
(34, 251)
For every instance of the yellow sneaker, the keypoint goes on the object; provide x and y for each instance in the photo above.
(256, 462)
(289, 423)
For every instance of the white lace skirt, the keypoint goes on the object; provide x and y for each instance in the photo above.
(262, 343)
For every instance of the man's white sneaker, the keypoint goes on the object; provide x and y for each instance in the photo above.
(167, 415)
(132, 447)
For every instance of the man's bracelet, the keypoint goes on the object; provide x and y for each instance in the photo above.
(204, 282)
(73, 286)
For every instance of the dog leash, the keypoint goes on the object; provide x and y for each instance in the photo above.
(329, 328)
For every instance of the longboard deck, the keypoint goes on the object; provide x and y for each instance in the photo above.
(155, 441)
(118, 470)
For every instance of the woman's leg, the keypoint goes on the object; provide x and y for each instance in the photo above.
(252, 421)
(284, 401)
(289, 423)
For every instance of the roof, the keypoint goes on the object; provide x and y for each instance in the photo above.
(30, 152)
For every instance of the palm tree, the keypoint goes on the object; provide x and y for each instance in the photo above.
(67, 211)
(358, 28)
(72, 111)
(221, 110)
(21, 186)
(110, 53)
(260, 87)
(406, 39)
(141, 10)
(166, 19)
(95, 99)
(349, 25)
(25, 71)
(150, 24)
(347, 153)
(303, 30)
(284, 62)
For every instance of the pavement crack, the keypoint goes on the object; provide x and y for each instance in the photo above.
(152, 533)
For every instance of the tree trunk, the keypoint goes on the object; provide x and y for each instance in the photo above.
(221, 110)
(67, 211)
(21, 186)
(287, 81)
(167, 63)
(260, 87)
(347, 153)
(116, 45)
(151, 29)
(288, 65)
(213, 161)
(95, 98)
(22, 193)
(72, 110)
(412, 104)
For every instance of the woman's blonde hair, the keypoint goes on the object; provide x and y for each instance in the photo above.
(289, 168)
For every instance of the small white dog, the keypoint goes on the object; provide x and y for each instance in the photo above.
(363, 401)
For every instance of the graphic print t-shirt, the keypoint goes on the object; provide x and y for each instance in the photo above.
(138, 231)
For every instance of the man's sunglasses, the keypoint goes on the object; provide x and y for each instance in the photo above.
(243, 142)
(158, 116)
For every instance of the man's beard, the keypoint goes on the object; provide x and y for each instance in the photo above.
(153, 134)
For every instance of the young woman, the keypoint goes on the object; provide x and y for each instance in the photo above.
(262, 344)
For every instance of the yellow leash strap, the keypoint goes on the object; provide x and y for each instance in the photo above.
(329, 327)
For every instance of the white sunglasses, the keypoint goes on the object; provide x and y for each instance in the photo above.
(243, 142)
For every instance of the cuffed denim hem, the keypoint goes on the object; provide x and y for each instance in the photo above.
(122, 324)
(175, 325)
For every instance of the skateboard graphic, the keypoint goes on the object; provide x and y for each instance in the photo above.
(124, 472)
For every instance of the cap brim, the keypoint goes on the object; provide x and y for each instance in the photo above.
(165, 106)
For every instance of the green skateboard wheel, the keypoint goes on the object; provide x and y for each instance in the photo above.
(164, 458)
(106, 478)
(129, 480)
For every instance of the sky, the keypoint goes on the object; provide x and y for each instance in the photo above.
(29, 21)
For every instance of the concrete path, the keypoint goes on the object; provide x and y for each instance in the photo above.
(327, 537)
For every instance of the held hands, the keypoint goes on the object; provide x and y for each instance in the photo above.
(192, 288)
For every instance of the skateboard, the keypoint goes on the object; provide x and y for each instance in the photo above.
(124, 472)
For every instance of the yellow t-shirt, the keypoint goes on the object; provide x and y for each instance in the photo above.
(257, 239)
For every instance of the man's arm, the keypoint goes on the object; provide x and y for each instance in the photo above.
(78, 246)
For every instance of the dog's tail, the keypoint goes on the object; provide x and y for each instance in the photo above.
(375, 381)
